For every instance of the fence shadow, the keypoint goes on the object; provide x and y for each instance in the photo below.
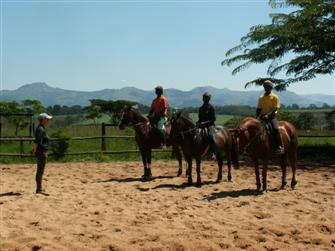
(234, 194)
(10, 194)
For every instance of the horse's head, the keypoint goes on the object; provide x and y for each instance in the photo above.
(245, 132)
(179, 124)
(242, 138)
(126, 117)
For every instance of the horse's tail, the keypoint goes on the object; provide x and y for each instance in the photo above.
(234, 152)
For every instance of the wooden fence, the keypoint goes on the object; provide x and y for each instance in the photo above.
(102, 138)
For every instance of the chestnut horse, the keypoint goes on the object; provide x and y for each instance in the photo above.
(194, 145)
(147, 138)
(252, 136)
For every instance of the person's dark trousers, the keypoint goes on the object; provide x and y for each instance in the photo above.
(41, 160)
(276, 134)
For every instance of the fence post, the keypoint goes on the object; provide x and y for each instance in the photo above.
(21, 147)
(103, 133)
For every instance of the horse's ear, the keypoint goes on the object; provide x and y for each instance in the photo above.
(135, 106)
(126, 108)
(178, 114)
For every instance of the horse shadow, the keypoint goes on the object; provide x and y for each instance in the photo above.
(140, 179)
(10, 194)
(183, 185)
(234, 194)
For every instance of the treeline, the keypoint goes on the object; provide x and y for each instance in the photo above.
(99, 107)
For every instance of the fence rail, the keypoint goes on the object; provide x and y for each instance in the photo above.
(103, 149)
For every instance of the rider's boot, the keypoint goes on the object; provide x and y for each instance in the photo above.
(279, 144)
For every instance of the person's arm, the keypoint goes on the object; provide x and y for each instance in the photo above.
(259, 108)
(276, 105)
(37, 141)
(165, 106)
(212, 116)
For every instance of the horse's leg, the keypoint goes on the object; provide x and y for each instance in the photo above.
(258, 180)
(228, 154)
(189, 162)
(292, 157)
(176, 151)
(283, 170)
(144, 160)
(264, 174)
(149, 163)
(198, 162)
(220, 164)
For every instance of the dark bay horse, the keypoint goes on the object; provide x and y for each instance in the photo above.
(193, 145)
(253, 137)
(147, 138)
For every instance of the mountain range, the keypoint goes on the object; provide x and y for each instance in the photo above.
(177, 98)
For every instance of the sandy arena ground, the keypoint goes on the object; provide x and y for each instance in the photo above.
(106, 206)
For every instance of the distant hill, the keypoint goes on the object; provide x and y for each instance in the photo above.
(50, 96)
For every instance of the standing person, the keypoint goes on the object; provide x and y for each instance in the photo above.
(40, 149)
(207, 120)
(267, 109)
(158, 113)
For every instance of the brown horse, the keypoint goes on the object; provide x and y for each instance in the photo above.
(193, 144)
(252, 136)
(147, 138)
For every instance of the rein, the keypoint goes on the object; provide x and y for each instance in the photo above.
(246, 147)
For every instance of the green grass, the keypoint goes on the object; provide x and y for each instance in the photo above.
(309, 110)
(220, 119)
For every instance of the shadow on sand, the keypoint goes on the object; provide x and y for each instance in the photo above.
(234, 194)
(10, 194)
(135, 179)
(184, 185)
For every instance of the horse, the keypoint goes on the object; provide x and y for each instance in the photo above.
(147, 138)
(252, 136)
(193, 144)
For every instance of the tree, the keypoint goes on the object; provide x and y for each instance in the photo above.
(306, 36)
(305, 121)
(32, 106)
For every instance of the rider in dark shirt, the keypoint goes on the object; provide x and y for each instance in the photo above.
(207, 120)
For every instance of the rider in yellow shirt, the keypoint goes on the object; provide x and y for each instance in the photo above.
(267, 109)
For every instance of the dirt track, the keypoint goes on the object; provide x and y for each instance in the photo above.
(106, 206)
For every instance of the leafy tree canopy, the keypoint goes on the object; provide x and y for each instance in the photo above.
(308, 33)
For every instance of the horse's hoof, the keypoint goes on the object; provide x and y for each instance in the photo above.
(180, 172)
(218, 181)
(198, 185)
(190, 183)
(293, 183)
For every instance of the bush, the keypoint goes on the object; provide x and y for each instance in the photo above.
(59, 144)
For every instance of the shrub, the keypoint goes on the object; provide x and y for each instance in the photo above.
(59, 144)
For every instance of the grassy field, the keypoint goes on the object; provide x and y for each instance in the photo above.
(309, 110)
(220, 119)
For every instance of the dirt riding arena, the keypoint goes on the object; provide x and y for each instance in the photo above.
(106, 206)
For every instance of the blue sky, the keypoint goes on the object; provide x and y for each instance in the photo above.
(92, 45)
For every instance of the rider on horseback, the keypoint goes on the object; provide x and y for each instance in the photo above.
(267, 108)
(158, 113)
(207, 120)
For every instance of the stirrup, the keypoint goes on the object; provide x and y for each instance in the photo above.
(280, 150)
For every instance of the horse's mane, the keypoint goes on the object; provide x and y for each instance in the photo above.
(249, 121)
(139, 114)
(187, 120)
